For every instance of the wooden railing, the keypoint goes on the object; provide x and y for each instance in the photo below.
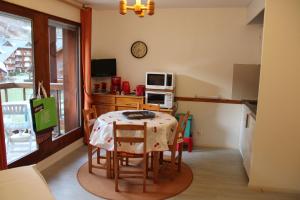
(25, 85)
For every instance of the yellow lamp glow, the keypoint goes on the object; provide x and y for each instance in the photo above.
(138, 7)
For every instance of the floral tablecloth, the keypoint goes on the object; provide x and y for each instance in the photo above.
(160, 132)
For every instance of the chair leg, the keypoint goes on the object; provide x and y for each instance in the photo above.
(147, 165)
(173, 162)
(190, 144)
(116, 168)
(179, 156)
(98, 155)
(145, 172)
(108, 164)
(111, 164)
(161, 157)
(90, 157)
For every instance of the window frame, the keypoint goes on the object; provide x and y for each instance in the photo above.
(41, 62)
(56, 23)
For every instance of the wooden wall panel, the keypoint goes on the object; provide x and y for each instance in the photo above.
(70, 79)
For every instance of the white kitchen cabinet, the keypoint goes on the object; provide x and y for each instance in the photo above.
(246, 137)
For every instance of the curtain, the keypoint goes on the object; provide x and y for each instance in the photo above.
(86, 37)
(3, 161)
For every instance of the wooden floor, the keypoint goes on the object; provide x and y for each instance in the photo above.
(218, 175)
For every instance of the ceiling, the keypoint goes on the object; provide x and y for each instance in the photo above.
(113, 4)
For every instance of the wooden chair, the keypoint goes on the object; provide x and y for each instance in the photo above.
(90, 116)
(178, 142)
(119, 156)
(152, 107)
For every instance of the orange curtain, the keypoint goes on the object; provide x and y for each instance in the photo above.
(86, 37)
(3, 161)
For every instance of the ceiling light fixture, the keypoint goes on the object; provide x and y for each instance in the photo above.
(138, 7)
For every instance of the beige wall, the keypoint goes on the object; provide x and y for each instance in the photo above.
(245, 81)
(199, 45)
(276, 150)
(53, 7)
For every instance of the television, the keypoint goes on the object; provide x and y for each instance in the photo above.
(103, 67)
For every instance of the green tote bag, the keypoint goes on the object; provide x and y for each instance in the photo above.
(44, 111)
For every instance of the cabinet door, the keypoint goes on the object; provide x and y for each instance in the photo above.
(103, 99)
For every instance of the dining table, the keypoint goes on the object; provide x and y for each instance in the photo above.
(161, 128)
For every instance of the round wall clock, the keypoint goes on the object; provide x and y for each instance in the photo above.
(139, 49)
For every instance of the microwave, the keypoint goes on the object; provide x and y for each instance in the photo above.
(160, 80)
(163, 99)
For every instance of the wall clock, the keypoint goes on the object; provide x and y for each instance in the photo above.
(139, 49)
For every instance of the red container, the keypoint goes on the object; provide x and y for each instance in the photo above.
(115, 84)
(96, 87)
(126, 87)
(103, 87)
(140, 90)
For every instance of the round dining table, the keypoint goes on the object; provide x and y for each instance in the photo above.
(160, 132)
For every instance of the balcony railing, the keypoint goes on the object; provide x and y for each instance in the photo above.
(57, 87)
(20, 138)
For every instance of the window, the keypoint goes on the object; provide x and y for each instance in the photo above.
(64, 74)
(16, 83)
(55, 61)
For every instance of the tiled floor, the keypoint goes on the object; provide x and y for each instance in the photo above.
(218, 175)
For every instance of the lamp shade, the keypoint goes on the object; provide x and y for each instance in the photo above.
(123, 7)
(150, 7)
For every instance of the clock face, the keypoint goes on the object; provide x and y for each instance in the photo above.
(139, 49)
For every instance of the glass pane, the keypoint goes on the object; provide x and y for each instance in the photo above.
(64, 75)
(16, 84)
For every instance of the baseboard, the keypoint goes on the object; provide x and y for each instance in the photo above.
(271, 189)
(44, 164)
(207, 146)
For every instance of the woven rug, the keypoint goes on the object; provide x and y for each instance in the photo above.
(167, 186)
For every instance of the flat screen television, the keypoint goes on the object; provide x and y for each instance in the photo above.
(103, 67)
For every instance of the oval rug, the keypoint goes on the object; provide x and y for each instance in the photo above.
(167, 186)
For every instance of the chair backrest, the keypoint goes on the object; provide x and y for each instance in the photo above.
(180, 128)
(127, 106)
(89, 117)
(129, 139)
(14, 109)
(152, 107)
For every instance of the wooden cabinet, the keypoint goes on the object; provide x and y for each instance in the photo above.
(106, 103)
(246, 137)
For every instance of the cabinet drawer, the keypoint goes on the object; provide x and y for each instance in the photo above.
(99, 99)
(126, 100)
